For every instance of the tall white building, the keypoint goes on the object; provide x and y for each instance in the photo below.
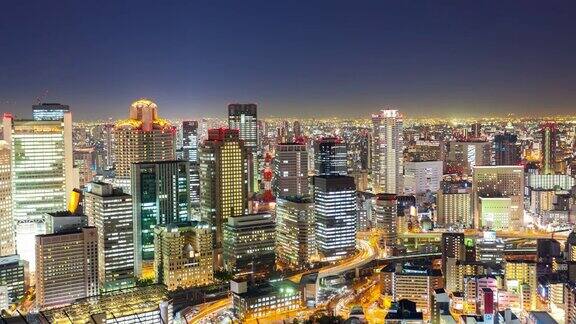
(42, 175)
(244, 118)
(110, 211)
(423, 176)
(335, 210)
(387, 157)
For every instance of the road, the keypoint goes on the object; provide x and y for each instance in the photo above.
(366, 253)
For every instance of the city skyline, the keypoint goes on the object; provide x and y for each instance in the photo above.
(316, 60)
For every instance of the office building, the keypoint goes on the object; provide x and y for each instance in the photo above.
(454, 208)
(7, 244)
(13, 276)
(489, 248)
(244, 118)
(110, 211)
(463, 156)
(148, 304)
(335, 213)
(159, 196)
(67, 267)
(183, 255)
(495, 212)
(190, 141)
(506, 150)
(387, 156)
(422, 177)
(295, 228)
(143, 137)
(49, 111)
(330, 156)
(386, 215)
(40, 150)
(223, 181)
(65, 221)
(84, 162)
(252, 302)
(549, 133)
(499, 182)
(249, 243)
(290, 169)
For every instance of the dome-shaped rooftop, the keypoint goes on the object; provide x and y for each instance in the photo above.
(142, 103)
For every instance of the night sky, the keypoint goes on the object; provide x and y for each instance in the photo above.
(293, 58)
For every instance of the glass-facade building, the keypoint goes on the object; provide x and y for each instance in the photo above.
(49, 111)
(160, 196)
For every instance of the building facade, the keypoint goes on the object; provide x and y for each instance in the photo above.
(290, 169)
(387, 156)
(295, 227)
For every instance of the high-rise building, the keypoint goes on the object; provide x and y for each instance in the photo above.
(244, 118)
(452, 248)
(144, 137)
(84, 162)
(223, 181)
(249, 242)
(183, 255)
(159, 196)
(330, 156)
(489, 248)
(49, 111)
(42, 151)
(454, 207)
(190, 140)
(387, 155)
(499, 182)
(190, 143)
(295, 227)
(462, 157)
(420, 177)
(386, 214)
(110, 211)
(335, 212)
(549, 137)
(495, 212)
(67, 267)
(291, 170)
(13, 277)
(7, 244)
(506, 150)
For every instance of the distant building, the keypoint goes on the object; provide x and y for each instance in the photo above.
(290, 170)
(421, 177)
(549, 136)
(330, 157)
(506, 150)
(462, 157)
(386, 215)
(142, 137)
(184, 255)
(387, 155)
(244, 118)
(454, 208)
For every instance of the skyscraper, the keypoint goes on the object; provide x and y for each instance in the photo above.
(386, 211)
(49, 111)
(453, 248)
(244, 118)
(295, 224)
(499, 182)
(42, 174)
(110, 211)
(183, 255)
(335, 212)
(290, 170)
(249, 242)
(7, 244)
(223, 182)
(330, 156)
(506, 151)
(464, 155)
(387, 156)
(67, 267)
(141, 138)
(159, 196)
(549, 136)
(190, 147)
